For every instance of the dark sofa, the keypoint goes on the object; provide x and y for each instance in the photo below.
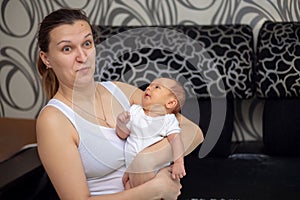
(219, 66)
(266, 169)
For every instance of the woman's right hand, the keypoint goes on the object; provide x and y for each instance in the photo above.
(171, 188)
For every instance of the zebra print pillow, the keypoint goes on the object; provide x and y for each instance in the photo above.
(278, 67)
(210, 61)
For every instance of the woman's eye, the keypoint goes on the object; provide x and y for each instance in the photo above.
(87, 43)
(67, 49)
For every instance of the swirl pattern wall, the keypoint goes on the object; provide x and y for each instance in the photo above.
(21, 94)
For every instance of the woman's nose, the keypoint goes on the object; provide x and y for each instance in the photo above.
(81, 55)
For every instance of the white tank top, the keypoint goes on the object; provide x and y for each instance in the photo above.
(101, 150)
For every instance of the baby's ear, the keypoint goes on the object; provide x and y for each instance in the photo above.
(172, 103)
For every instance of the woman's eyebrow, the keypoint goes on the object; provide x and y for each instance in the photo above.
(63, 41)
(88, 35)
(68, 41)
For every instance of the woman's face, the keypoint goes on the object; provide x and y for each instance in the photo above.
(71, 54)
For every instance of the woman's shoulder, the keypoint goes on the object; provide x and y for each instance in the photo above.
(52, 122)
(49, 114)
(122, 85)
(133, 93)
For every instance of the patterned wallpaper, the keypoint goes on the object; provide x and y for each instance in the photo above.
(20, 89)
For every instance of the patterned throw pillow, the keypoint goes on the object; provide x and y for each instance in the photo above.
(278, 52)
(210, 61)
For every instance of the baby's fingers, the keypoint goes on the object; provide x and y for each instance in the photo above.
(127, 116)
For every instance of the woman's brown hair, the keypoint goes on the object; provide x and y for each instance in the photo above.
(51, 21)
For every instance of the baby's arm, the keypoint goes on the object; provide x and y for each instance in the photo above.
(178, 170)
(121, 128)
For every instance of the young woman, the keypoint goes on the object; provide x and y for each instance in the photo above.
(77, 144)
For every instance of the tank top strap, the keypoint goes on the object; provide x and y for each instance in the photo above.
(63, 108)
(118, 93)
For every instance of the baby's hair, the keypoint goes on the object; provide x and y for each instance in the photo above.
(179, 92)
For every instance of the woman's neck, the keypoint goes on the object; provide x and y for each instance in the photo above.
(84, 101)
(78, 94)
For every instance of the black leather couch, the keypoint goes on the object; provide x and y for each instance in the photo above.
(267, 168)
(221, 66)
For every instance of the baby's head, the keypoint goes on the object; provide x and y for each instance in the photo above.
(176, 89)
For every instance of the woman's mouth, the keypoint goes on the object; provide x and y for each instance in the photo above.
(82, 69)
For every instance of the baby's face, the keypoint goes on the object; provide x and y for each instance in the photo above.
(158, 93)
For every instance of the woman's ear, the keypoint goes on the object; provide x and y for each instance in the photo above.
(45, 59)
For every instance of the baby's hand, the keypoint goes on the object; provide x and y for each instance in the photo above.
(178, 170)
(122, 119)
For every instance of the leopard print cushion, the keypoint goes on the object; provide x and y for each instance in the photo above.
(278, 52)
(210, 61)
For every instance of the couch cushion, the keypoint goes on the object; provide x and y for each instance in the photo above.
(278, 58)
(215, 117)
(277, 77)
(210, 61)
(253, 177)
(281, 129)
